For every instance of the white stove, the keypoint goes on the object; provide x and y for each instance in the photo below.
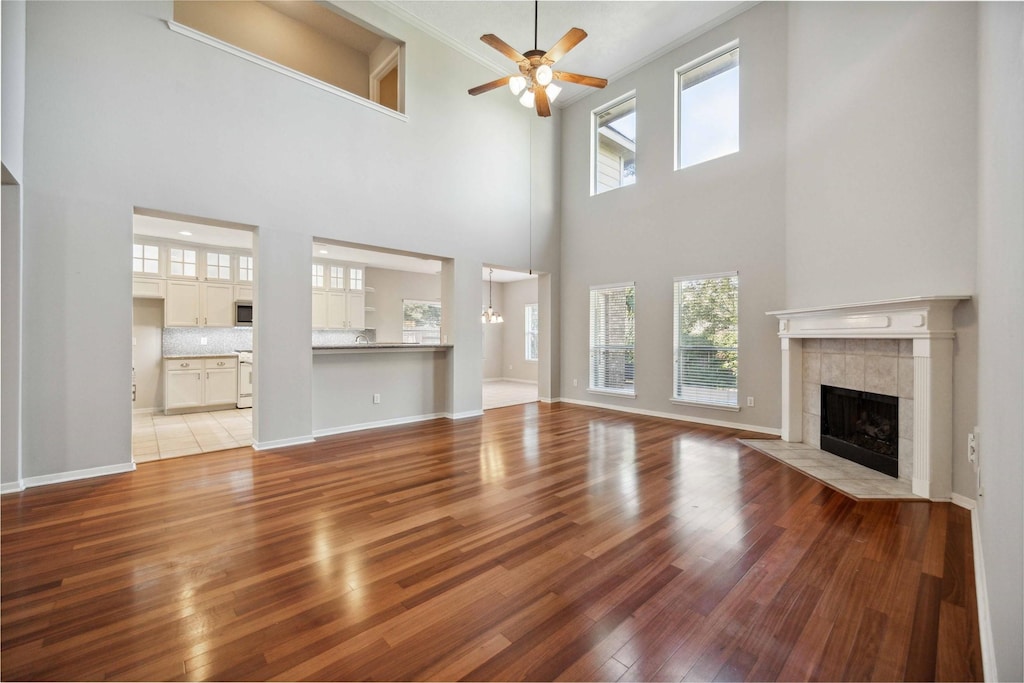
(244, 379)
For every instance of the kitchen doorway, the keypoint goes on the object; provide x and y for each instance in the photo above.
(192, 333)
(511, 348)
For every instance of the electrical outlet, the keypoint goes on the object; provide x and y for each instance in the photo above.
(575, 382)
(972, 447)
(202, 341)
(750, 401)
(376, 398)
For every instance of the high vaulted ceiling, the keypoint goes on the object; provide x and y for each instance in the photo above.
(622, 35)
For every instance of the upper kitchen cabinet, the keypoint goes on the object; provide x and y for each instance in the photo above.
(339, 296)
(199, 304)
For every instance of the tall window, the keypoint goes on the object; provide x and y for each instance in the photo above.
(183, 262)
(245, 268)
(614, 146)
(709, 107)
(421, 322)
(532, 325)
(706, 330)
(218, 266)
(612, 338)
(145, 258)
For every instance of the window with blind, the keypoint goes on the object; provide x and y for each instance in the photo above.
(614, 154)
(532, 326)
(612, 338)
(706, 330)
(708, 108)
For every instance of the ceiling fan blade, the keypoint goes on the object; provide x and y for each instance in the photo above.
(592, 81)
(487, 87)
(503, 47)
(540, 98)
(566, 43)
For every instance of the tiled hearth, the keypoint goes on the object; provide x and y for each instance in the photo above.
(899, 347)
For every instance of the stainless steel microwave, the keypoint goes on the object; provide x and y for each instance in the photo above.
(243, 314)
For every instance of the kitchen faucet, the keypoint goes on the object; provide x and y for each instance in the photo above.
(363, 337)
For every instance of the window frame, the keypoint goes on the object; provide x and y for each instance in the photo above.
(532, 332)
(184, 263)
(218, 257)
(605, 390)
(680, 72)
(595, 142)
(676, 347)
(246, 265)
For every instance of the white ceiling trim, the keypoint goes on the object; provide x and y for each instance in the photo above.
(439, 35)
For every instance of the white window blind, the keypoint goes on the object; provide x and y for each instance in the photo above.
(532, 326)
(706, 330)
(612, 338)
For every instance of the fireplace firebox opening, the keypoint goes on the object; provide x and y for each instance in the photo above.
(861, 427)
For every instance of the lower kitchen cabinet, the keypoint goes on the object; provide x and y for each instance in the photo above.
(200, 382)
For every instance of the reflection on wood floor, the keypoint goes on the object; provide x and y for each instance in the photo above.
(538, 542)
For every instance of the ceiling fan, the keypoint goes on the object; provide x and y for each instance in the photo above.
(534, 87)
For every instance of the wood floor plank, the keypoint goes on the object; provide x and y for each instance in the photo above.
(538, 542)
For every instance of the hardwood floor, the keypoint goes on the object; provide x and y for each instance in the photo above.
(539, 542)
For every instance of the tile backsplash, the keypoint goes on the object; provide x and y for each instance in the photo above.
(182, 341)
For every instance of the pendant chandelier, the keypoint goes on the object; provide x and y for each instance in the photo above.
(490, 315)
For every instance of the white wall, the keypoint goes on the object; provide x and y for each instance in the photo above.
(493, 334)
(13, 78)
(881, 197)
(1001, 325)
(10, 337)
(123, 112)
(513, 334)
(723, 215)
(391, 287)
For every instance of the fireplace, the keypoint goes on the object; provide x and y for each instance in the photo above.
(861, 427)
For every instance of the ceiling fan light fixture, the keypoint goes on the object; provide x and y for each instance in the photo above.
(552, 91)
(527, 98)
(517, 84)
(543, 74)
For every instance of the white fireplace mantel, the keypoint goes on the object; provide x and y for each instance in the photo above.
(928, 321)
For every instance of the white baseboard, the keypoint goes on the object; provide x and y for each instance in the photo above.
(963, 501)
(12, 487)
(376, 424)
(988, 652)
(75, 475)
(464, 415)
(147, 411)
(544, 399)
(281, 443)
(520, 381)
(674, 416)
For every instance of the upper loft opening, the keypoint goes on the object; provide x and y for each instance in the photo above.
(311, 38)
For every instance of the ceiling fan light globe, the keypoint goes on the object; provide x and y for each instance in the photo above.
(543, 74)
(526, 99)
(552, 91)
(516, 84)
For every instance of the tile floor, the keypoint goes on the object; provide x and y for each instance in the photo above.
(498, 393)
(159, 436)
(847, 477)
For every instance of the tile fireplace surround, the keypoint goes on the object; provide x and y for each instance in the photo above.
(899, 347)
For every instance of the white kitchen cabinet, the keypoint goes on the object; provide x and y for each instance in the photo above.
(200, 382)
(199, 304)
(181, 309)
(356, 310)
(319, 310)
(149, 288)
(217, 304)
(243, 292)
(337, 310)
(183, 384)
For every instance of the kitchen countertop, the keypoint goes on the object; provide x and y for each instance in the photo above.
(180, 356)
(379, 346)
